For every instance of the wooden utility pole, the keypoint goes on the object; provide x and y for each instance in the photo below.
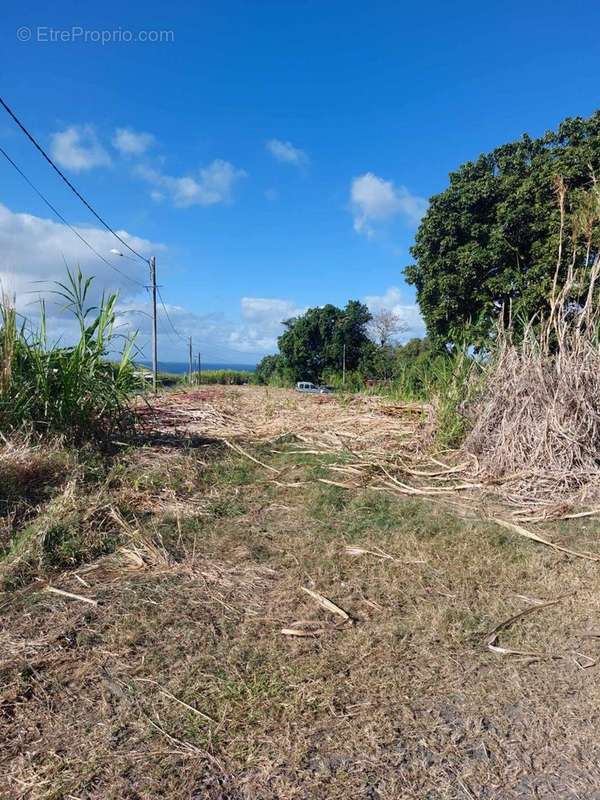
(344, 365)
(154, 330)
(199, 368)
(190, 370)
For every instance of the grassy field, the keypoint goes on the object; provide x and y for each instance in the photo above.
(164, 671)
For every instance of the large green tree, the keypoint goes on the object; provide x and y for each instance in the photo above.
(314, 342)
(490, 239)
(266, 368)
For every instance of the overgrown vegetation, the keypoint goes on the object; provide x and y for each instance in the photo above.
(77, 390)
(223, 377)
(529, 388)
(539, 413)
(187, 591)
(415, 372)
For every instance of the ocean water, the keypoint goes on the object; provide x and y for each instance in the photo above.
(180, 368)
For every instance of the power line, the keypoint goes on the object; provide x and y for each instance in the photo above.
(175, 331)
(135, 311)
(65, 222)
(217, 351)
(223, 352)
(87, 205)
(164, 330)
(68, 182)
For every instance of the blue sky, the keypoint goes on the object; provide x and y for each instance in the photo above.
(274, 155)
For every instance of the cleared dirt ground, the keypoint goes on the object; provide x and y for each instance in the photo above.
(168, 675)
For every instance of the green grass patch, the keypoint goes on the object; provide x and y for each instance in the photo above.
(326, 502)
(372, 510)
(231, 471)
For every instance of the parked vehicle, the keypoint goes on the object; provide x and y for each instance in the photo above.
(306, 386)
(143, 375)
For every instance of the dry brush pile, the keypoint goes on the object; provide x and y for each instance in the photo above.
(536, 424)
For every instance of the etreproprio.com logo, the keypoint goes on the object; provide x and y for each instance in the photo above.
(77, 34)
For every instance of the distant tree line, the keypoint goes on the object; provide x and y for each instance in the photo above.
(316, 345)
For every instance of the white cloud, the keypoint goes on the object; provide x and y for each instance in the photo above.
(34, 252)
(375, 200)
(77, 148)
(262, 323)
(132, 143)
(213, 184)
(208, 331)
(409, 313)
(259, 309)
(286, 152)
(34, 249)
(217, 337)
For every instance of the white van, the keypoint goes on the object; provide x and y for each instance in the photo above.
(306, 386)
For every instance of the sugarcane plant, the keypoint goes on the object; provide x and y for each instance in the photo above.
(81, 390)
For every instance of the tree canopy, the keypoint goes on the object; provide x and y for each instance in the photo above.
(490, 239)
(313, 343)
(266, 368)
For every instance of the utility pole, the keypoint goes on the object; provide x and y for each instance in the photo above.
(344, 366)
(190, 360)
(154, 331)
(199, 369)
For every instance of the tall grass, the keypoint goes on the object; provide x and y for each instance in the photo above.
(227, 377)
(454, 381)
(447, 382)
(353, 381)
(539, 413)
(76, 391)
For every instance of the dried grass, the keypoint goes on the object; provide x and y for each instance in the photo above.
(361, 424)
(205, 670)
(536, 427)
(359, 442)
(214, 675)
(535, 438)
